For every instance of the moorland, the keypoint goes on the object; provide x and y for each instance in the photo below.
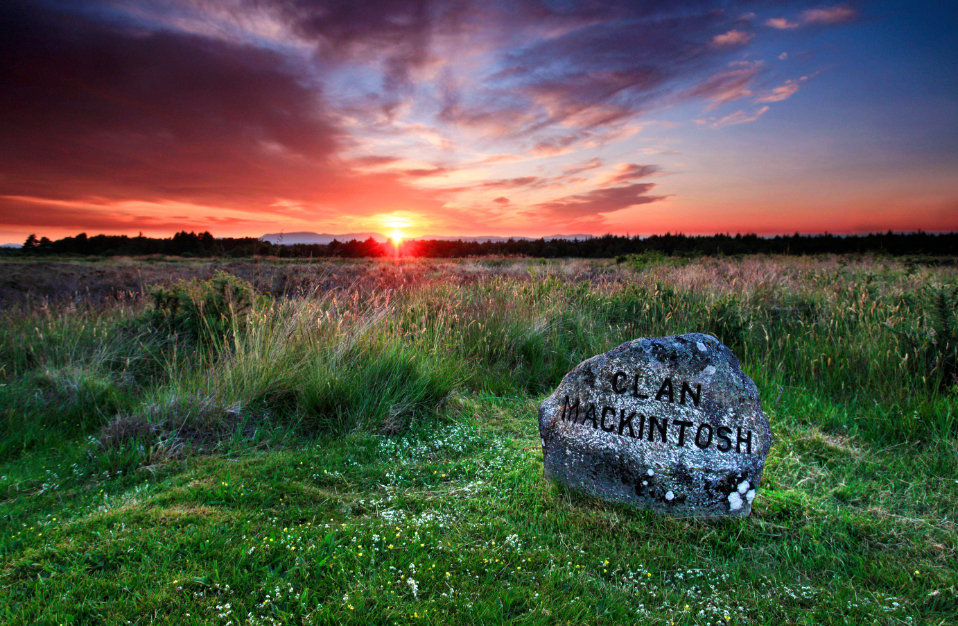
(266, 441)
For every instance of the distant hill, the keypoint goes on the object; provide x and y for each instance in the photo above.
(11, 245)
(289, 239)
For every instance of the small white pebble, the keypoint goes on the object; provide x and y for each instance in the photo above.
(709, 370)
(669, 496)
(645, 483)
(701, 346)
(750, 495)
(650, 473)
(734, 501)
(743, 486)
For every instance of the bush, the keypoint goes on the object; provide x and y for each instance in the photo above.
(204, 310)
(942, 322)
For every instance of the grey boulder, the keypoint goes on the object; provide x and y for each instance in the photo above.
(665, 423)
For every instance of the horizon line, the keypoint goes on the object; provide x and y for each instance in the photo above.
(489, 238)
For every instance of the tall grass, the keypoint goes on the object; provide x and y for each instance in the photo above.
(359, 356)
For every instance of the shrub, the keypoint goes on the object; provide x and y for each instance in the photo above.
(130, 442)
(204, 310)
(942, 322)
(124, 429)
(193, 417)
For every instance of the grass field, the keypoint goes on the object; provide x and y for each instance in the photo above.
(357, 442)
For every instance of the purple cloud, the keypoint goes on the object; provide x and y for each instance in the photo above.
(627, 172)
(599, 201)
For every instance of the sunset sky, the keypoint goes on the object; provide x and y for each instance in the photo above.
(528, 118)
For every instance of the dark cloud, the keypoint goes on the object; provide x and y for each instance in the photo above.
(423, 172)
(492, 118)
(28, 214)
(598, 64)
(599, 201)
(99, 109)
(511, 183)
(631, 171)
(501, 200)
(614, 63)
(103, 110)
(580, 64)
(396, 35)
(374, 161)
(521, 182)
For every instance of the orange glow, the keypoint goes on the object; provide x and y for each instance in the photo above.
(396, 237)
(395, 222)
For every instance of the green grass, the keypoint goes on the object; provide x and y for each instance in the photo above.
(317, 454)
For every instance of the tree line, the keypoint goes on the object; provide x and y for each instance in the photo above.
(204, 244)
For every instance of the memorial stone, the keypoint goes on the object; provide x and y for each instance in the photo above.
(665, 423)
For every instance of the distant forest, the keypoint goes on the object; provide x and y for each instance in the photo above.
(189, 244)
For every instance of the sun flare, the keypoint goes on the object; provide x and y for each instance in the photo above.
(396, 236)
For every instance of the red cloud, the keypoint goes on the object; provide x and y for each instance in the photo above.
(630, 171)
(600, 201)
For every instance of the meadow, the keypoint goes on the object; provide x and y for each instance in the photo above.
(356, 441)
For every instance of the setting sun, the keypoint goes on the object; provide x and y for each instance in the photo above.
(396, 236)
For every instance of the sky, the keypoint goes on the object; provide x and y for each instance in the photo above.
(462, 117)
